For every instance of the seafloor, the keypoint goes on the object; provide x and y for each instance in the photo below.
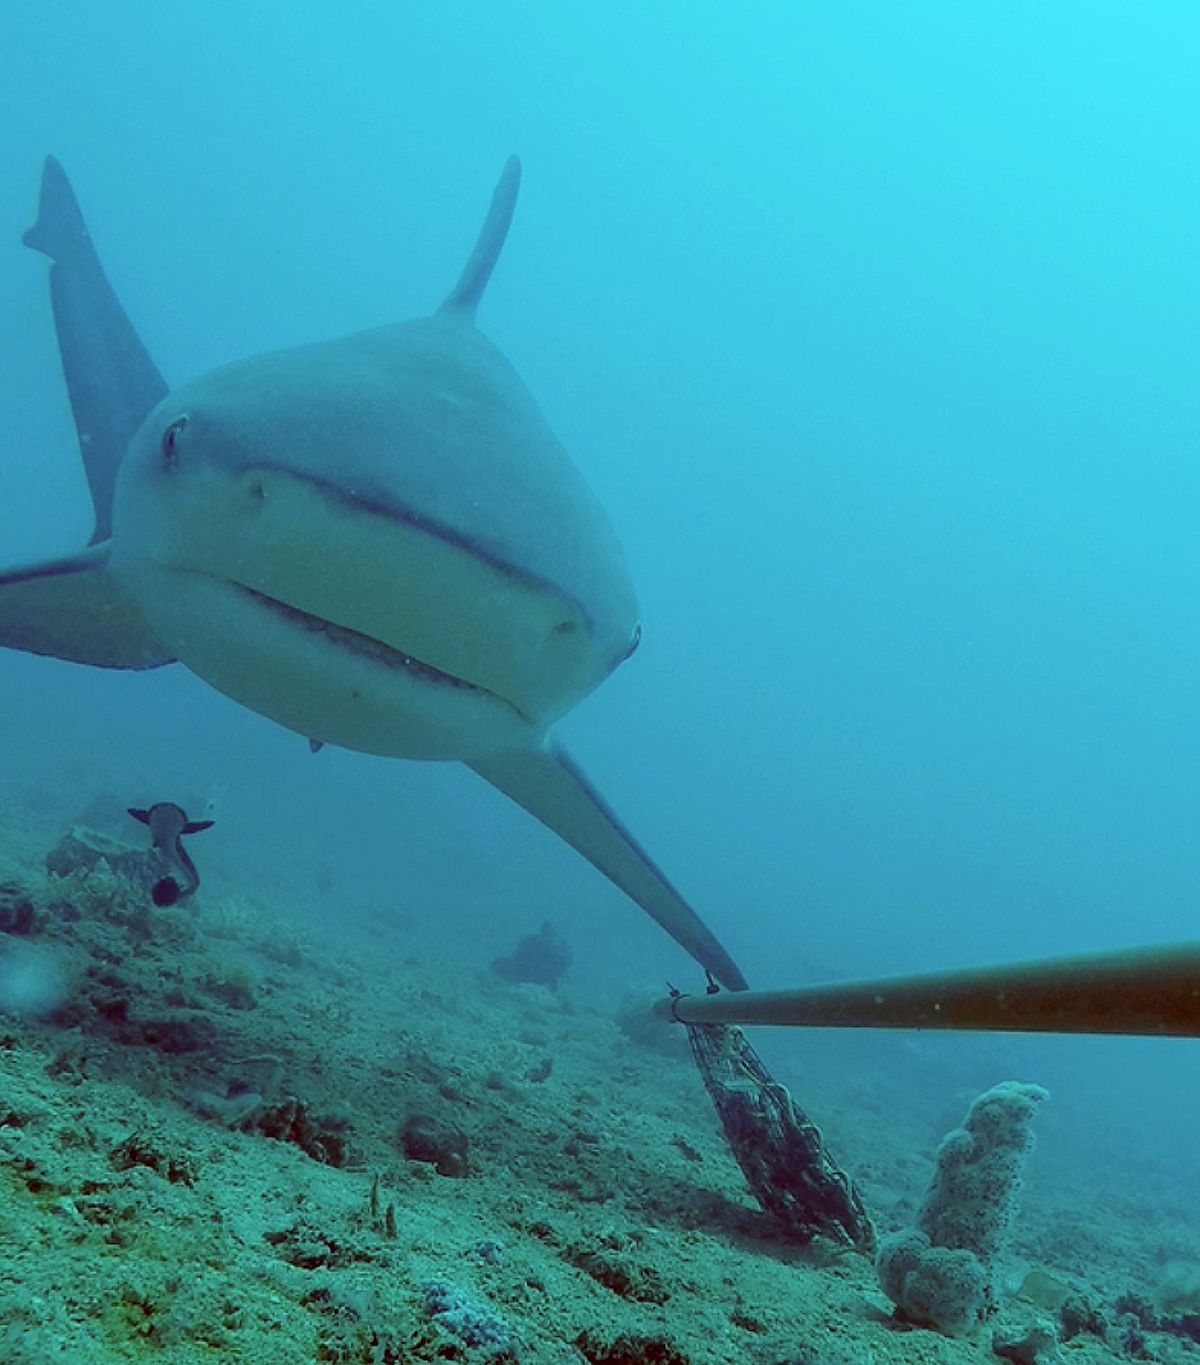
(201, 1161)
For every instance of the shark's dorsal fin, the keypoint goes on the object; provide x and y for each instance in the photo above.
(465, 296)
(111, 380)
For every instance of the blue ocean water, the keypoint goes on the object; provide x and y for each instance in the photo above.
(875, 330)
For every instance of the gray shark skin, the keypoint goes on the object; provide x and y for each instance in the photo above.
(376, 541)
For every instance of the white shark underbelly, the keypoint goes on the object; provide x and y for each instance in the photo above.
(328, 683)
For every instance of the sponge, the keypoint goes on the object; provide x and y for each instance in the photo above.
(941, 1272)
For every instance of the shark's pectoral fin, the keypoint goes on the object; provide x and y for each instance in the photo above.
(549, 786)
(71, 608)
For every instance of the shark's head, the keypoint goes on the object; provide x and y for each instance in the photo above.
(376, 541)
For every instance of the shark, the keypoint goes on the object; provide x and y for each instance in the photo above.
(377, 542)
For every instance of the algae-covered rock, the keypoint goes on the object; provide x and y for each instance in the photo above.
(628, 1348)
(82, 849)
(444, 1147)
(1034, 1344)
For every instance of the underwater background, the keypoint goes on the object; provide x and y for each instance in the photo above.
(875, 328)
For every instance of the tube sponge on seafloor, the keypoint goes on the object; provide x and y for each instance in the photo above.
(940, 1273)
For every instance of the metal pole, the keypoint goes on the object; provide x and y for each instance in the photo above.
(1149, 991)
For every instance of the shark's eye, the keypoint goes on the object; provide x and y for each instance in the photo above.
(170, 442)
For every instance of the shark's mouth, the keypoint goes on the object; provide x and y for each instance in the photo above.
(368, 647)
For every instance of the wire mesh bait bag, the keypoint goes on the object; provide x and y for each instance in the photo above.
(781, 1153)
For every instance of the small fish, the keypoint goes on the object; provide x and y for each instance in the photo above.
(168, 824)
(1047, 1290)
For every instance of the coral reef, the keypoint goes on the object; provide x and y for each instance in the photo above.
(188, 1179)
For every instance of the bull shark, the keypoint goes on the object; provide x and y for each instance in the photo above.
(377, 542)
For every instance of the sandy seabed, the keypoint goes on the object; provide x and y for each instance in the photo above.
(202, 1159)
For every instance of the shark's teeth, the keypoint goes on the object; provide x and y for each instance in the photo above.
(364, 645)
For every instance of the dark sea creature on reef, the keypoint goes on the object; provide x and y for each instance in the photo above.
(377, 542)
(168, 824)
(540, 958)
(17, 914)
